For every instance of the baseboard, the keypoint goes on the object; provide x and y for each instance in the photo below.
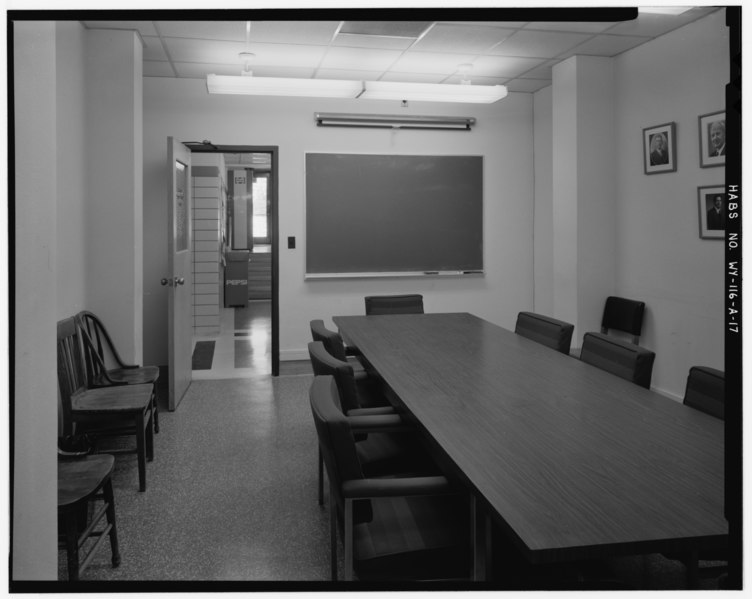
(291, 355)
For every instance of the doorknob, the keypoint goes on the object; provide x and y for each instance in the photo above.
(173, 282)
(166, 282)
(179, 281)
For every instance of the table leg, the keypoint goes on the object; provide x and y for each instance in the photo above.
(480, 526)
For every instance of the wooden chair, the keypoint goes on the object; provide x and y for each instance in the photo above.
(706, 390)
(104, 367)
(552, 333)
(393, 528)
(624, 315)
(624, 359)
(394, 304)
(334, 344)
(82, 481)
(114, 411)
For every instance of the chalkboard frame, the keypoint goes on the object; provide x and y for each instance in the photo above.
(475, 189)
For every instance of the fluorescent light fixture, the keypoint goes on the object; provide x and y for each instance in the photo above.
(664, 10)
(432, 92)
(281, 86)
(393, 121)
(372, 90)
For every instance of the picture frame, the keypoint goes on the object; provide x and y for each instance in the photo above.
(659, 148)
(712, 217)
(712, 129)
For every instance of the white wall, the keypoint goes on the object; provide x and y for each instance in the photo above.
(660, 256)
(503, 135)
(544, 218)
(34, 484)
(114, 214)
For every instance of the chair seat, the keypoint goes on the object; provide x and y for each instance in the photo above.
(131, 376)
(109, 400)
(79, 478)
(382, 454)
(416, 538)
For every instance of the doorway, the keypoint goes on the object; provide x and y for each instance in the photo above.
(245, 341)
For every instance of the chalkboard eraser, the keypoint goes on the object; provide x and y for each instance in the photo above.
(431, 272)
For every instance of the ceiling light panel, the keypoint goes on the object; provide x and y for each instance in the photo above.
(431, 62)
(539, 44)
(359, 59)
(411, 29)
(229, 31)
(347, 74)
(450, 38)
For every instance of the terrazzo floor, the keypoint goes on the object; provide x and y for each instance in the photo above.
(230, 502)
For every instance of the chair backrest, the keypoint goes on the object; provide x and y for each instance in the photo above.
(332, 340)
(624, 315)
(706, 390)
(98, 347)
(553, 333)
(624, 359)
(394, 304)
(324, 363)
(336, 441)
(71, 375)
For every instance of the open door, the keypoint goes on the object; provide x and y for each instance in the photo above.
(180, 275)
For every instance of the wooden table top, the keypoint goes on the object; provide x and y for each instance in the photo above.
(571, 460)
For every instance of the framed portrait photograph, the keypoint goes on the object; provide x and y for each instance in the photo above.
(712, 139)
(712, 206)
(659, 148)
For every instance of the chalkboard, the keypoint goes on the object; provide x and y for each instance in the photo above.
(369, 214)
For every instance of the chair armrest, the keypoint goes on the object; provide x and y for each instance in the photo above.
(375, 411)
(384, 423)
(396, 487)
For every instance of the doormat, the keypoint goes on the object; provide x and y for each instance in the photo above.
(203, 355)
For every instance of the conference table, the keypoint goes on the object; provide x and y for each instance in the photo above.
(570, 462)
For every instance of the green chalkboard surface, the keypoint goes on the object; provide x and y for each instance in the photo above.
(377, 214)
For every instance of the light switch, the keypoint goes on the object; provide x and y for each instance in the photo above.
(291, 243)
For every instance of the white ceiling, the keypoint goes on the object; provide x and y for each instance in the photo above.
(516, 54)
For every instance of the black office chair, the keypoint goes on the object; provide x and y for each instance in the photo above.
(553, 333)
(624, 315)
(706, 390)
(624, 359)
(393, 447)
(394, 304)
(393, 528)
(334, 344)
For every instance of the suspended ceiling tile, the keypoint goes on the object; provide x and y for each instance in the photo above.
(431, 62)
(503, 66)
(203, 51)
(607, 45)
(654, 25)
(527, 85)
(571, 26)
(500, 24)
(317, 33)
(461, 39)
(153, 49)
(539, 44)
(457, 79)
(157, 69)
(233, 31)
(542, 71)
(358, 59)
(369, 41)
(284, 71)
(143, 27)
(197, 70)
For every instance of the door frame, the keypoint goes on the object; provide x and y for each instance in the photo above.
(210, 148)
